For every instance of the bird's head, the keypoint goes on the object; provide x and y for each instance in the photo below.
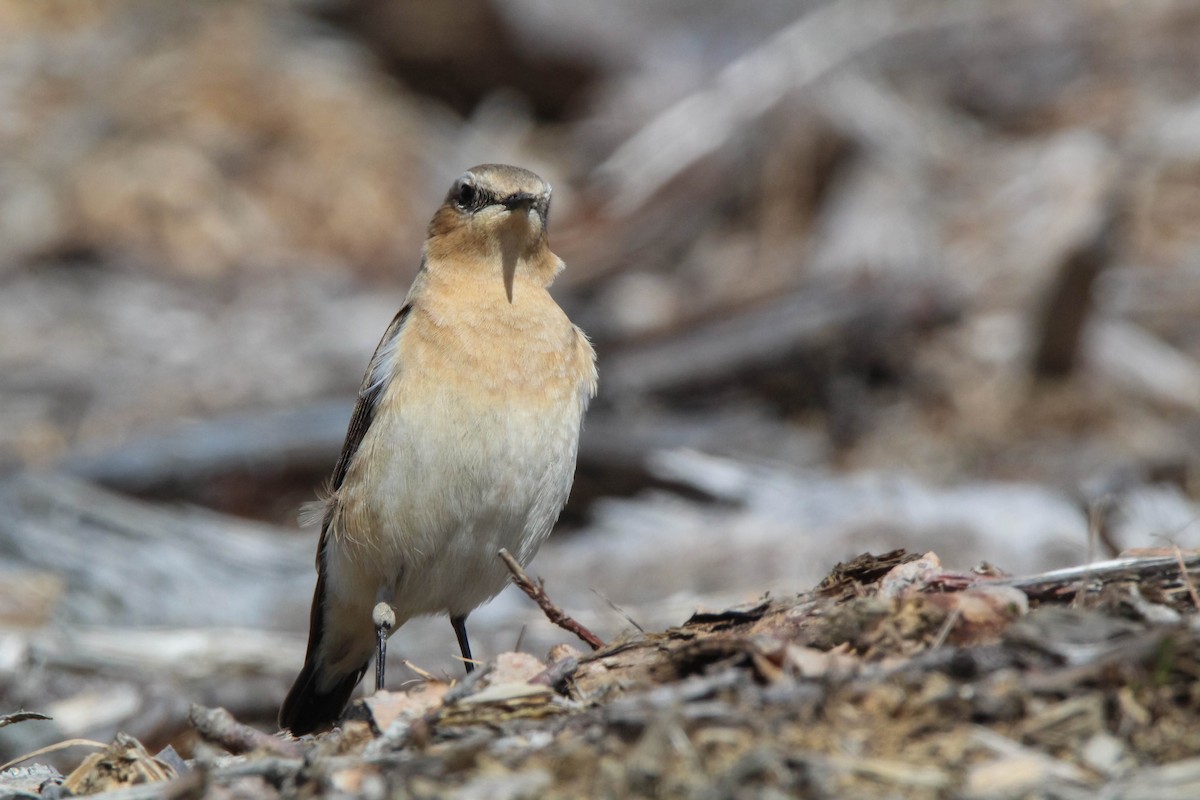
(497, 213)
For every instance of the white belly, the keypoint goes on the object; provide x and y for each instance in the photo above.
(446, 491)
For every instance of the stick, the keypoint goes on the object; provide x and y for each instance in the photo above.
(217, 726)
(1136, 566)
(53, 748)
(619, 610)
(947, 626)
(20, 716)
(1187, 579)
(537, 593)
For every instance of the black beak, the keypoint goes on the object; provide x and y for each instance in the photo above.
(520, 200)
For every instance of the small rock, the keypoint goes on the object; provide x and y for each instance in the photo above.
(1103, 753)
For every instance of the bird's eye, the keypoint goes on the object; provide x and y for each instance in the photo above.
(466, 195)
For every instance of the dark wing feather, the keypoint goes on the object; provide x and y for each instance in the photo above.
(306, 707)
(368, 400)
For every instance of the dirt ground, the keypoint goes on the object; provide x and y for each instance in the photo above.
(891, 678)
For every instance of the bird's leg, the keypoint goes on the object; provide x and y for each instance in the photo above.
(385, 622)
(460, 630)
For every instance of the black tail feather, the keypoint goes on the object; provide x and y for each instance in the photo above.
(308, 709)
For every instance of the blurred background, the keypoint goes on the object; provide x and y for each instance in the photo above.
(861, 275)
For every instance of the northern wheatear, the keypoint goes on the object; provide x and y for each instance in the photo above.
(463, 440)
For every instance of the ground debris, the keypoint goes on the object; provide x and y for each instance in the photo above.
(854, 577)
(123, 763)
(951, 687)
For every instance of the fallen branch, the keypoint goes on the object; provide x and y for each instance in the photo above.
(224, 572)
(1074, 578)
(793, 59)
(217, 726)
(537, 593)
(774, 347)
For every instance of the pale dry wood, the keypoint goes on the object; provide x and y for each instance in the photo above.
(1100, 570)
(766, 343)
(253, 442)
(186, 654)
(1178, 780)
(305, 440)
(795, 58)
(192, 566)
(142, 680)
(217, 726)
(1142, 364)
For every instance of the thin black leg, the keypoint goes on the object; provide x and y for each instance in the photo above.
(385, 622)
(380, 656)
(460, 630)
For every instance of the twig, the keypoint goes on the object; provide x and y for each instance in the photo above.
(537, 593)
(1140, 566)
(619, 610)
(1187, 579)
(217, 726)
(947, 626)
(20, 716)
(423, 674)
(54, 748)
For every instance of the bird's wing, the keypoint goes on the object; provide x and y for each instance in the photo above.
(368, 396)
(369, 392)
(315, 698)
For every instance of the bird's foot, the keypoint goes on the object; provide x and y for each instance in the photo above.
(385, 622)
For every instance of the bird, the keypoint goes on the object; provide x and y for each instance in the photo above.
(462, 441)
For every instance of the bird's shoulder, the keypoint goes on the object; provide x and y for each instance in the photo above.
(366, 405)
